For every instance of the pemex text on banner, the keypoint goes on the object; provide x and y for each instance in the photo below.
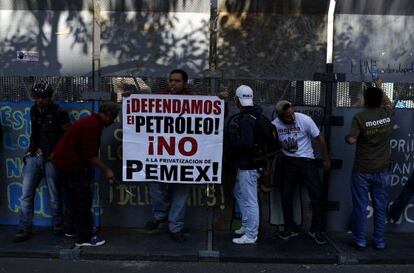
(172, 139)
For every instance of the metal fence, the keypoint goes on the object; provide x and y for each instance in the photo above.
(309, 93)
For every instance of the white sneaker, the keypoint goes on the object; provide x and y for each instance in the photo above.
(244, 240)
(240, 231)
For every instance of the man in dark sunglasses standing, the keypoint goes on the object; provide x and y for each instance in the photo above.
(48, 122)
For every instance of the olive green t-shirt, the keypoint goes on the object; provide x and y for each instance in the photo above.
(372, 129)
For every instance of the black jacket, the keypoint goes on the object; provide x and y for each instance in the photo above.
(242, 140)
(47, 128)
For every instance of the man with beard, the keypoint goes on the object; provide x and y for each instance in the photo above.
(295, 131)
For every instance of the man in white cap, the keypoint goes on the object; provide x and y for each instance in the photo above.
(295, 131)
(245, 188)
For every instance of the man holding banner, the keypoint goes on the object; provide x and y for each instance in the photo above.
(172, 142)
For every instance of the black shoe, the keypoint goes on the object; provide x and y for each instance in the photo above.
(357, 246)
(286, 235)
(22, 235)
(94, 241)
(154, 223)
(71, 233)
(179, 237)
(318, 236)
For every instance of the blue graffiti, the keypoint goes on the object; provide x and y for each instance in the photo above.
(41, 204)
(16, 119)
(14, 167)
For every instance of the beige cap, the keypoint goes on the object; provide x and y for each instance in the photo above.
(281, 106)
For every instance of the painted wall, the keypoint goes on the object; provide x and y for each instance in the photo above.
(15, 122)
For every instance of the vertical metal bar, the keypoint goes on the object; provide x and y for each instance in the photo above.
(96, 62)
(328, 99)
(330, 29)
(96, 177)
(210, 254)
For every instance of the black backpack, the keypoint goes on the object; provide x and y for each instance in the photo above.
(266, 142)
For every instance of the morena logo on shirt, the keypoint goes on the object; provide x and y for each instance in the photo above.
(377, 122)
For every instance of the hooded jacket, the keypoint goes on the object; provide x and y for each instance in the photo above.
(242, 140)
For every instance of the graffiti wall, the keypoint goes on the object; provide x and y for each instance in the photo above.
(15, 122)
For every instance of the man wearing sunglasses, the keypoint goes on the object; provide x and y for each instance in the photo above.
(48, 122)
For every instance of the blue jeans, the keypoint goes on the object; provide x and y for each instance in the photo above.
(169, 201)
(34, 170)
(377, 184)
(245, 191)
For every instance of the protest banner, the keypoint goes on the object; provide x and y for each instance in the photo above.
(172, 139)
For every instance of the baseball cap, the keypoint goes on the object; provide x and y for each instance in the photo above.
(282, 106)
(245, 95)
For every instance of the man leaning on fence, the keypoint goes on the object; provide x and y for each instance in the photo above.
(48, 122)
(296, 131)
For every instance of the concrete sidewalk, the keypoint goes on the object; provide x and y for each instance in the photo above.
(135, 244)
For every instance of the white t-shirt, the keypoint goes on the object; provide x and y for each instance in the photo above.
(296, 139)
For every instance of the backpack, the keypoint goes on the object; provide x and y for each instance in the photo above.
(266, 142)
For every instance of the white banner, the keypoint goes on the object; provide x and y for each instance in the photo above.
(172, 139)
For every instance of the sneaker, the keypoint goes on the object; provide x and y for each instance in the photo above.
(379, 246)
(240, 231)
(94, 241)
(357, 246)
(154, 223)
(318, 236)
(70, 234)
(22, 235)
(244, 240)
(179, 237)
(286, 235)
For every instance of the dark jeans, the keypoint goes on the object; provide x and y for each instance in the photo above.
(78, 188)
(297, 171)
(402, 200)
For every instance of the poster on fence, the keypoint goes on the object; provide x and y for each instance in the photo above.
(172, 139)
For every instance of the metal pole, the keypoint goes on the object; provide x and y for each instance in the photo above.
(328, 98)
(209, 254)
(96, 58)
